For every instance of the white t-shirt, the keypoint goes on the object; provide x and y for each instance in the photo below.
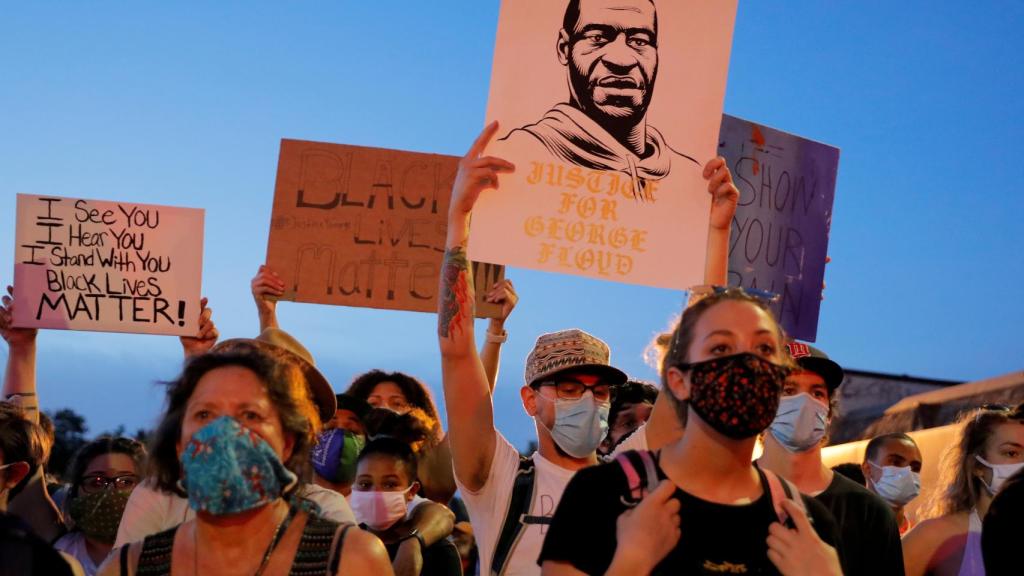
(73, 544)
(488, 507)
(151, 511)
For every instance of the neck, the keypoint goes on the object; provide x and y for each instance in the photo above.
(630, 133)
(801, 468)
(708, 465)
(901, 515)
(549, 450)
(240, 531)
(98, 551)
(984, 500)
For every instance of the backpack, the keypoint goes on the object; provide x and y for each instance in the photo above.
(518, 507)
(642, 478)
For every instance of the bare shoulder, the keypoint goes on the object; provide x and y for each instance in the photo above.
(363, 553)
(939, 528)
(112, 565)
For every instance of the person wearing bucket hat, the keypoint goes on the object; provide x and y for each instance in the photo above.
(792, 449)
(152, 509)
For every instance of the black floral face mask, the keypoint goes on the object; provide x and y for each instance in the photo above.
(736, 395)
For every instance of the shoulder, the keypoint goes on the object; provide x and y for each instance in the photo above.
(842, 488)
(332, 505)
(112, 565)
(362, 552)
(937, 529)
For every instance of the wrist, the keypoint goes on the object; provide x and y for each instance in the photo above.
(624, 562)
(496, 332)
(413, 540)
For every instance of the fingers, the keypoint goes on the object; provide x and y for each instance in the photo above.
(499, 165)
(501, 291)
(267, 282)
(482, 140)
(798, 516)
(663, 493)
(713, 165)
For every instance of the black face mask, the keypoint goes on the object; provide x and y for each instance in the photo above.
(736, 395)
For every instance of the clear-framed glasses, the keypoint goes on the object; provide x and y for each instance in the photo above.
(98, 483)
(570, 389)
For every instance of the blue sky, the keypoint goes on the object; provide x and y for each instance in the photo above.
(184, 103)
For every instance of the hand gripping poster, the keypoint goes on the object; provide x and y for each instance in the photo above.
(779, 236)
(609, 109)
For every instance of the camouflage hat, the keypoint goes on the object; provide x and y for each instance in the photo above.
(570, 350)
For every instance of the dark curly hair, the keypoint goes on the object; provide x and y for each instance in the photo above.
(415, 392)
(285, 385)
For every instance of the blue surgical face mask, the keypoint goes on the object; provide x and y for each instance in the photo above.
(1000, 474)
(579, 425)
(800, 422)
(898, 484)
(229, 469)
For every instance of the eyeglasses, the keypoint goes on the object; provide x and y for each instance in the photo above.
(98, 483)
(569, 389)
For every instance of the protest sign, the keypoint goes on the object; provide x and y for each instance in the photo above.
(366, 227)
(608, 180)
(780, 233)
(107, 266)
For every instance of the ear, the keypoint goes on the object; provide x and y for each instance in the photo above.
(15, 473)
(289, 446)
(867, 470)
(563, 46)
(677, 383)
(529, 396)
(413, 491)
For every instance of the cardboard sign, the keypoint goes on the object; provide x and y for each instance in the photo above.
(780, 233)
(609, 124)
(107, 266)
(365, 227)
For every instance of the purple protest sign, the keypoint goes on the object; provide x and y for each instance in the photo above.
(780, 233)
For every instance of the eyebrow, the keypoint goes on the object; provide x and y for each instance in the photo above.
(611, 28)
(1012, 445)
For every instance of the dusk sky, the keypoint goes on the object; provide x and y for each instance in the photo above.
(185, 103)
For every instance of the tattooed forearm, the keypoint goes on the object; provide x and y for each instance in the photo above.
(453, 302)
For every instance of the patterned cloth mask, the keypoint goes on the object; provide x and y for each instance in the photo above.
(736, 395)
(230, 469)
(334, 456)
(98, 515)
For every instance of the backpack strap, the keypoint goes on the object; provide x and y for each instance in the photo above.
(641, 474)
(519, 506)
(781, 489)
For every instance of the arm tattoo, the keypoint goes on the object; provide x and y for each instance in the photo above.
(454, 296)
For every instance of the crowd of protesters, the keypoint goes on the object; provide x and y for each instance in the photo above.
(259, 465)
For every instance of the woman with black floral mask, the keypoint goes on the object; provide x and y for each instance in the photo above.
(699, 506)
(235, 439)
(103, 474)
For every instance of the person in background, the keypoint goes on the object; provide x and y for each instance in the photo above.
(235, 438)
(1001, 530)
(338, 445)
(383, 491)
(102, 475)
(700, 506)
(631, 407)
(792, 449)
(989, 450)
(892, 468)
(401, 392)
(852, 471)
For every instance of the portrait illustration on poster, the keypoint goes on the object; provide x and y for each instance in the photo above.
(779, 236)
(608, 180)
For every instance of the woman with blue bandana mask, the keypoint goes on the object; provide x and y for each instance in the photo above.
(235, 439)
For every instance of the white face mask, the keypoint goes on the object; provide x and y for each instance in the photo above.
(800, 422)
(378, 510)
(898, 484)
(1000, 474)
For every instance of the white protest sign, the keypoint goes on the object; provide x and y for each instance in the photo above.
(107, 266)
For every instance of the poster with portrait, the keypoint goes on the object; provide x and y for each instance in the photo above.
(779, 236)
(110, 266)
(609, 109)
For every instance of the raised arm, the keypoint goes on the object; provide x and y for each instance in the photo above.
(267, 287)
(20, 374)
(467, 395)
(663, 427)
(505, 294)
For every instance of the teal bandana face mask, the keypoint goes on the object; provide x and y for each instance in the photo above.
(230, 469)
(580, 425)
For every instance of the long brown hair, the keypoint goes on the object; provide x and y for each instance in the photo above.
(959, 487)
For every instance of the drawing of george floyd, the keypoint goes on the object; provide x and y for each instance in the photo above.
(609, 49)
